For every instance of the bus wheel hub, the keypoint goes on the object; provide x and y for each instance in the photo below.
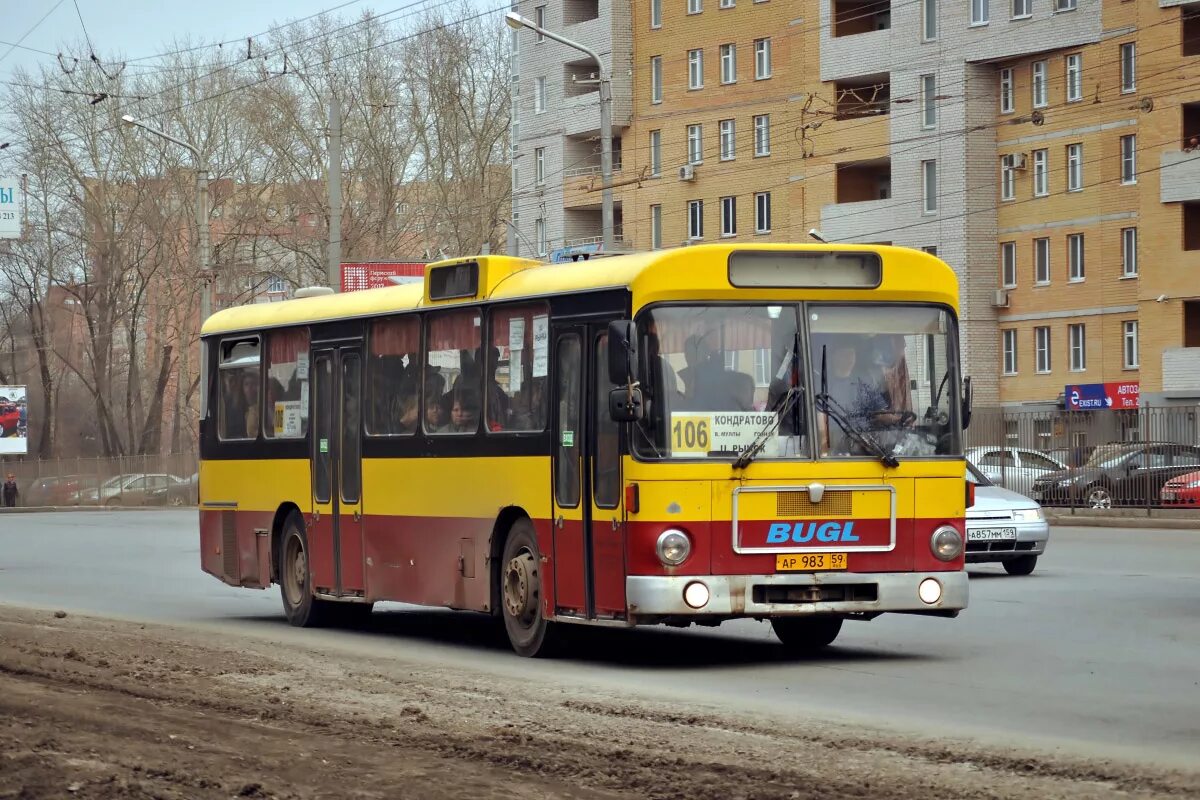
(518, 586)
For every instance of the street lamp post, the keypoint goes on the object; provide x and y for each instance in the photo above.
(516, 21)
(201, 211)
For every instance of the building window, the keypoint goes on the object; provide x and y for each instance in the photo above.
(1064, 5)
(762, 135)
(540, 229)
(539, 165)
(728, 63)
(1008, 265)
(695, 148)
(1022, 8)
(539, 19)
(1074, 78)
(655, 153)
(1129, 158)
(1128, 68)
(1041, 262)
(696, 69)
(1039, 84)
(726, 4)
(1041, 173)
(762, 59)
(1075, 268)
(1129, 258)
(655, 227)
(1009, 338)
(655, 13)
(1077, 336)
(1074, 168)
(928, 106)
(762, 212)
(695, 219)
(729, 216)
(1008, 178)
(1131, 343)
(930, 248)
(276, 284)
(929, 186)
(539, 95)
(656, 93)
(929, 20)
(728, 139)
(1006, 90)
(694, 7)
(980, 12)
(1041, 349)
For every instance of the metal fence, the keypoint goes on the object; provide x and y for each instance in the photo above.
(151, 480)
(1092, 459)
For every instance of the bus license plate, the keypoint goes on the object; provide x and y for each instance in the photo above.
(991, 534)
(810, 562)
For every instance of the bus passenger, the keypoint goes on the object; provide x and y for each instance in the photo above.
(407, 414)
(250, 395)
(433, 411)
(464, 413)
(233, 407)
(853, 389)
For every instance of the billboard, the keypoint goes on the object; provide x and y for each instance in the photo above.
(1121, 395)
(13, 421)
(377, 274)
(10, 208)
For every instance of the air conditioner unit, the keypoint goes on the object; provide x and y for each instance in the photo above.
(687, 173)
(1018, 160)
(1001, 299)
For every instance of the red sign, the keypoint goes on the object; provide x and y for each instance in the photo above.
(1099, 396)
(1124, 394)
(376, 274)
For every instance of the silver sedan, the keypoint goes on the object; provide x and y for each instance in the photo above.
(1004, 526)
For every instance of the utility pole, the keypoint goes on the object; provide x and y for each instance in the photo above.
(334, 179)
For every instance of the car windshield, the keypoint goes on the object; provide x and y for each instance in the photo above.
(737, 382)
(1108, 455)
(114, 482)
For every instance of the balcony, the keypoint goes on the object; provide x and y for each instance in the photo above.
(863, 181)
(853, 17)
(867, 96)
(1180, 178)
(870, 52)
(1181, 370)
(582, 187)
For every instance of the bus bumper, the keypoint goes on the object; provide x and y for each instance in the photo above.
(794, 594)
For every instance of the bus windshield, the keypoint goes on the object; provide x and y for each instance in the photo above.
(854, 380)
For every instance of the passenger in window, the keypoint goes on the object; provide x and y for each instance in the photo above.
(233, 407)
(851, 387)
(464, 413)
(250, 397)
(891, 358)
(529, 405)
(698, 353)
(434, 417)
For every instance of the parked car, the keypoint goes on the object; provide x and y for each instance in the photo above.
(1013, 468)
(1071, 456)
(1122, 473)
(62, 490)
(130, 490)
(1182, 491)
(1004, 526)
(175, 492)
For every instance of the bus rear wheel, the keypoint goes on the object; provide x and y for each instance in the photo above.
(806, 634)
(301, 608)
(529, 633)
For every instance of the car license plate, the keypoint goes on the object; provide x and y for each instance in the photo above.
(1168, 496)
(810, 562)
(991, 534)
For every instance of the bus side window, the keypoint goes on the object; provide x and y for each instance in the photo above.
(515, 379)
(287, 384)
(393, 377)
(239, 405)
(453, 371)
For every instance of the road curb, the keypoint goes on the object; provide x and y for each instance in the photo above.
(67, 509)
(1139, 523)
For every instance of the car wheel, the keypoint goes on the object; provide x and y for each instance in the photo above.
(295, 577)
(112, 502)
(529, 632)
(1020, 566)
(1099, 497)
(176, 500)
(806, 634)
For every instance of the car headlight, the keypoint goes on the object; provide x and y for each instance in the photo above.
(1064, 482)
(946, 543)
(674, 546)
(1028, 514)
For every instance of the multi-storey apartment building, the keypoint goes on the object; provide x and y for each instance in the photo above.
(1049, 150)
(556, 122)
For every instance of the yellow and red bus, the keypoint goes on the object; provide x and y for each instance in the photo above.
(672, 437)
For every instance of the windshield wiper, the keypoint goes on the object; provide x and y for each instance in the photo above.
(832, 409)
(751, 451)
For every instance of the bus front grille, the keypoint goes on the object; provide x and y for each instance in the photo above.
(827, 593)
(797, 504)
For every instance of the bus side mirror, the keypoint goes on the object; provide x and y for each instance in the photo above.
(967, 398)
(622, 352)
(625, 404)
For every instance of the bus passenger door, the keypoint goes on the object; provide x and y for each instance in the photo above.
(606, 516)
(335, 533)
(568, 559)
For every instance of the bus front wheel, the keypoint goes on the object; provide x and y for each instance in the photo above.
(521, 592)
(806, 634)
(302, 609)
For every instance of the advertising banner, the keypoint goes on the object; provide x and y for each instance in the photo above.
(1120, 395)
(13, 422)
(10, 208)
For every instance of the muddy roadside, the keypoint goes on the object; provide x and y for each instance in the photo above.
(95, 708)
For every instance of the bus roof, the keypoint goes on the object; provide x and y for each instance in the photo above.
(908, 276)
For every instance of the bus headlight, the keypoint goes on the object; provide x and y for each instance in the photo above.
(673, 547)
(946, 543)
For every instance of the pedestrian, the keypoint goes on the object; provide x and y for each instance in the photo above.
(10, 491)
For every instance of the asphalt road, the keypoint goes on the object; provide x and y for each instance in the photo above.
(1096, 653)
